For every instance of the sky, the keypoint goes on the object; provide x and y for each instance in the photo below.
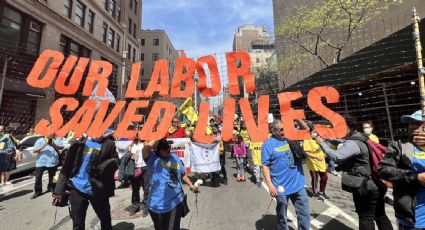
(202, 27)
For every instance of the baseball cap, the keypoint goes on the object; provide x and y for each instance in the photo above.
(415, 117)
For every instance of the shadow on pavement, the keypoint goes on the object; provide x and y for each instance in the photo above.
(335, 224)
(268, 222)
(15, 195)
(123, 225)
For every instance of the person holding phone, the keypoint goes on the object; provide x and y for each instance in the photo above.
(47, 160)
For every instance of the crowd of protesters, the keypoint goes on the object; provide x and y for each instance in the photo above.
(88, 175)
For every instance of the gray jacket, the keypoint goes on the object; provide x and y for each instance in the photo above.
(396, 167)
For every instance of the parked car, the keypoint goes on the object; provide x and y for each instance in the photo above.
(28, 157)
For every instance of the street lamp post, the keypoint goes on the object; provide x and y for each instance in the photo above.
(3, 77)
(123, 66)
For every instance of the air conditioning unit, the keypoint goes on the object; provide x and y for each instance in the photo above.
(35, 27)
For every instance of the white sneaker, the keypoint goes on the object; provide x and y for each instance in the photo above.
(8, 183)
(2, 184)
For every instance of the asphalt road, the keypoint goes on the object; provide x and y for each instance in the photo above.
(239, 205)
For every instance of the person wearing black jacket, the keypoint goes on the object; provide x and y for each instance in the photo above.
(88, 175)
(397, 171)
(353, 155)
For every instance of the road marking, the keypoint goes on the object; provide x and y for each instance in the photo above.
(11, 188)
(289, 214)
(330, 212)
(342, 213)
(333, 211)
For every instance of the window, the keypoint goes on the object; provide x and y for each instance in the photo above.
(135, 7)
(258, 60)
(34, 36)
(129, 25)
(142, 57)
(13, 21)
(119, 14)
(105, 32)
(142, 41)
(118, 43)
(80, 12)
(143, 71)
(113, 79)
(67, 8)
(134, 55)
(156, 42)
(134, 30)
(90, 22)
(74, 49)
(155, 56)
(68, 47)
(130, 4)
(105, 4)
(129, 51)
(111, 38)
(111, 7)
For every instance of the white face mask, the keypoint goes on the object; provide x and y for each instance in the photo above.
(368, 131)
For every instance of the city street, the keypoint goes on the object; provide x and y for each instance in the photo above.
(235, 206)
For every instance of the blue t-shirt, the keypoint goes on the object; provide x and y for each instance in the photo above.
(286, 172)
(165, 191)
(9, 145)
(81, 179)
(418, 164)
(47, 157)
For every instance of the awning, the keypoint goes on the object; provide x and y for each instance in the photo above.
(21, 86)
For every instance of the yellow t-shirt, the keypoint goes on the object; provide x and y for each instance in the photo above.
(256, 152)
(311, 146)
(374, 138)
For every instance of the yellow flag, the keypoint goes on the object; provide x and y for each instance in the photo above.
(188, 110)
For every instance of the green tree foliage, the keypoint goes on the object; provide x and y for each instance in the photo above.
(313, 29)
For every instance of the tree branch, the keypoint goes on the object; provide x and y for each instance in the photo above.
(307, 49)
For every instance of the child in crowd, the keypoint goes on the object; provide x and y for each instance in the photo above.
(239, 150)
(256, 161)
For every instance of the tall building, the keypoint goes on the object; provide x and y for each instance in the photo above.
(182, 54)
(247, 34)
(155, 45)
(260, 54)
(261, 59)
(98, 29)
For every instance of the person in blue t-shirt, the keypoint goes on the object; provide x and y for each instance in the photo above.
(47, 159)
(165, 202)
(87, 176)
(284, 177)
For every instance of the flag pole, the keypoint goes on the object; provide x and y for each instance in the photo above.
(418, 47)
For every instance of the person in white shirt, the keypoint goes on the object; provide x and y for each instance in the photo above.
(141, 178)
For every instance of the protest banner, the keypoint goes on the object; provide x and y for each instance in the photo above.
(205, 158)
(181, 147)
(92, 118)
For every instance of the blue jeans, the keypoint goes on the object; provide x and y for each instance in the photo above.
(300, 202)
(239, 166)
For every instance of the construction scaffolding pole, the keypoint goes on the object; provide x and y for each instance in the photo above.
(418, 47)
